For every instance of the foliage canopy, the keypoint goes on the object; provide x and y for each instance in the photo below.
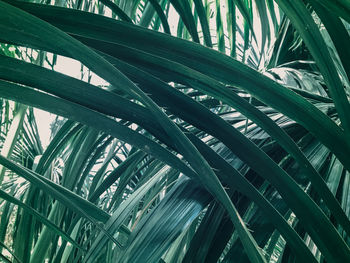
(197, 131)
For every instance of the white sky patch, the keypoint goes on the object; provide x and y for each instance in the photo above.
(68, 66)
(72, 68)
(44, 120)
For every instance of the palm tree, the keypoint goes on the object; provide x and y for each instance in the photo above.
(198, 131)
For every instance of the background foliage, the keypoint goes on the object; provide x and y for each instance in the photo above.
(196, 131)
